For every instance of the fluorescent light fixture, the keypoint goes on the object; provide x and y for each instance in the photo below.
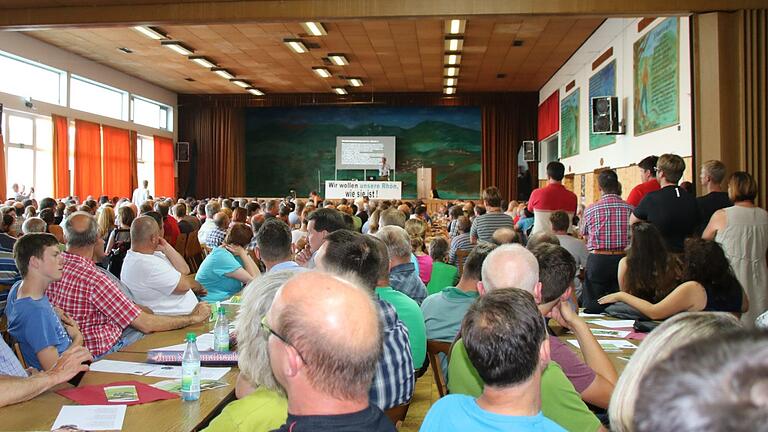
(451, 71)
(355, 82)
(450, 82)
(178, 47)
(322, 72)
(455, 26)
(240, 83)
(314, 28)
(340, 90)
(202, 61)
(296, 45)
(255, 91)
(338, 59)
(452, 58)
(223, 73)
(150, 32)
(454, 43)
(449, 90)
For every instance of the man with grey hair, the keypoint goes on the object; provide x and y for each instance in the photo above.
(106, 317)
(392, 216)
(403, 274)
(34, 225)
(156, 274)
(326, 369)
(209, 225)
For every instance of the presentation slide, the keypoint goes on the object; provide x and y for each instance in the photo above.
(364, 152)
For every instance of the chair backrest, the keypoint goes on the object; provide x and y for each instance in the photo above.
(461, 256)
(194, 253)
(17, 351)
(435, 347)
(181, 244)
(397, 414)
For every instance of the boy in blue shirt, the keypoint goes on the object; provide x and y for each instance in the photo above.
(42, 332)
(506, 341)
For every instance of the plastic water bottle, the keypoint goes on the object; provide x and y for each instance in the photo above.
(190, 370)
(221, 332)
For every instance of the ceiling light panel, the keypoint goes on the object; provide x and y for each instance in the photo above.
(296, 45)
(449, 90)
(314, 28)
(452, 58)
(340, 90)
(322, 72)
(455, 26)
(355, 82)
(223, 73)
(240, 83)
(338, 59)
(255, 91)
(454, 43)
(450, 82)
(451, 71)
(178, 47)
(150, 32)
(204, 62)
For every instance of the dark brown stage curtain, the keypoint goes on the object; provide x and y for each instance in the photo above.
(216, 135)
(755, 133)
(214, 127)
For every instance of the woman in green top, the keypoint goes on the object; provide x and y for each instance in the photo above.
(443, 275)
(261, 403)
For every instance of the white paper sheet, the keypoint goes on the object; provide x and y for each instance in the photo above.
(589, 315)
(609, 333)
(608, 344)
(204, 343)
(211, 373)
(91, 417)
(123, 367)
(613, 323)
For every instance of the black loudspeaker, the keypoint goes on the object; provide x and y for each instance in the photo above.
(530, 151)
(605, 115)
(182, 152)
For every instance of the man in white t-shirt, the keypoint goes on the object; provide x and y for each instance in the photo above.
(141, 194)
(156, 274)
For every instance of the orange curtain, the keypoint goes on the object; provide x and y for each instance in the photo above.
(117, 151)
(87, 159)
(133, 162)
(60, 156)
(164, 172)
(3, 184)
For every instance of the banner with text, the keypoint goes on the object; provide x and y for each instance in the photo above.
(335, 189)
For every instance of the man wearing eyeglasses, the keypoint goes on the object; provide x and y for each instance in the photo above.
(326, 369)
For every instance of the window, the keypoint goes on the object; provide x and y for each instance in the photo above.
(145, 157)
(96, 98)
(29, 154)
(152, 114)
(26, 78)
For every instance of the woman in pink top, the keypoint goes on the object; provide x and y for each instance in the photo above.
(417, 230)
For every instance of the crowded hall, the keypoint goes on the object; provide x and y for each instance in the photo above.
(417, 216)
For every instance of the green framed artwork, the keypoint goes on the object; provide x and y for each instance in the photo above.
(569, 125)
(657, 78)
(602, 83)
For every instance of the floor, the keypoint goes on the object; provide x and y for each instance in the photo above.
(424, 396)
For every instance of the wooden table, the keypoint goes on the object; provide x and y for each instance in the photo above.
(169, 415)
(167, 338)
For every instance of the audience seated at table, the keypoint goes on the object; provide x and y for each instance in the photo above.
(187, 223)
(403, 274)
(663, 340)
(46, 214)
(648, 271)
(443, 274)
(216, 235)
(33, 224)
(171, 229)
(321, 223)
(227, 267)
(208, 225)
(461, 241)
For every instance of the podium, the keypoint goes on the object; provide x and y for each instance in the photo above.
(425, 180)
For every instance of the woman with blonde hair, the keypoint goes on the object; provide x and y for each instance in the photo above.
(660, 343)
(417, 231)
(106, 221)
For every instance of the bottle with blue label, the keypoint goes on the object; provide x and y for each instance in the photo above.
(190, 370)
(221, 332)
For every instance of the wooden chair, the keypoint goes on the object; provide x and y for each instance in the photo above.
(435, 347)
(461, 256)
(17, 351)
(181, 244)
(193, 252)
(397, 414)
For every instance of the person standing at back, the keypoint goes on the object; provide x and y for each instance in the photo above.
(140, 194)
(711, 177)
(485, 225)
(551, 198)
(673, 210)
(649, 182)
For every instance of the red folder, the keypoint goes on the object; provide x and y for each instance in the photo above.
(94, 394)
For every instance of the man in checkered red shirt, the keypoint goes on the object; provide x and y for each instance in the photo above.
(108, 320)
(605, 226)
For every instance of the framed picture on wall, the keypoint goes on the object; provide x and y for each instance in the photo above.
(569, 125)
(182, 152)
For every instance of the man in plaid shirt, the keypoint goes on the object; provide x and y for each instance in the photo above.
(106, 317)
(605, 226)
(216, 236)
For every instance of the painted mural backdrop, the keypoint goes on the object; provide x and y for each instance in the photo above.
(569, 125)
(602, 83)
(657, 78)
(294, 148)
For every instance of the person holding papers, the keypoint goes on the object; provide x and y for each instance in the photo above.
(384, 170)
(42, 334)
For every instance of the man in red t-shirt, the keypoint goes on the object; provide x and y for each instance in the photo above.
(551, 198)
(648, 175)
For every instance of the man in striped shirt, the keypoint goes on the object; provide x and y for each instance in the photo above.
(606, 227)
(493, 219)
(461, 241)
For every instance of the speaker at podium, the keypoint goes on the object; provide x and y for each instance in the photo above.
(425, 182)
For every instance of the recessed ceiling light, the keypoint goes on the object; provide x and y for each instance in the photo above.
(223, 73)
(449, 90)
(296, 45)
(314, 28)
(255, 91)
(322, 72)
(150, 32)
(451, 71)
(450, 82)
(239, 82)
(125, 50)
(338, 59)
(517, 42)
(355, 82)
(340, 90)
(454, 43)
(455, 26)
(452, 58)
(178, 47)
(202, 61)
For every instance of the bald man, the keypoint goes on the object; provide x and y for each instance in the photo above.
(108, 320)
(156, 274)
(327, 341)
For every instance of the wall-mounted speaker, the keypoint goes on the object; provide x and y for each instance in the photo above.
(605, 115)
(182, 152)
(530, 151)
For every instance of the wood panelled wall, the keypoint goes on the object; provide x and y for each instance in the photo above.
(214, 127)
